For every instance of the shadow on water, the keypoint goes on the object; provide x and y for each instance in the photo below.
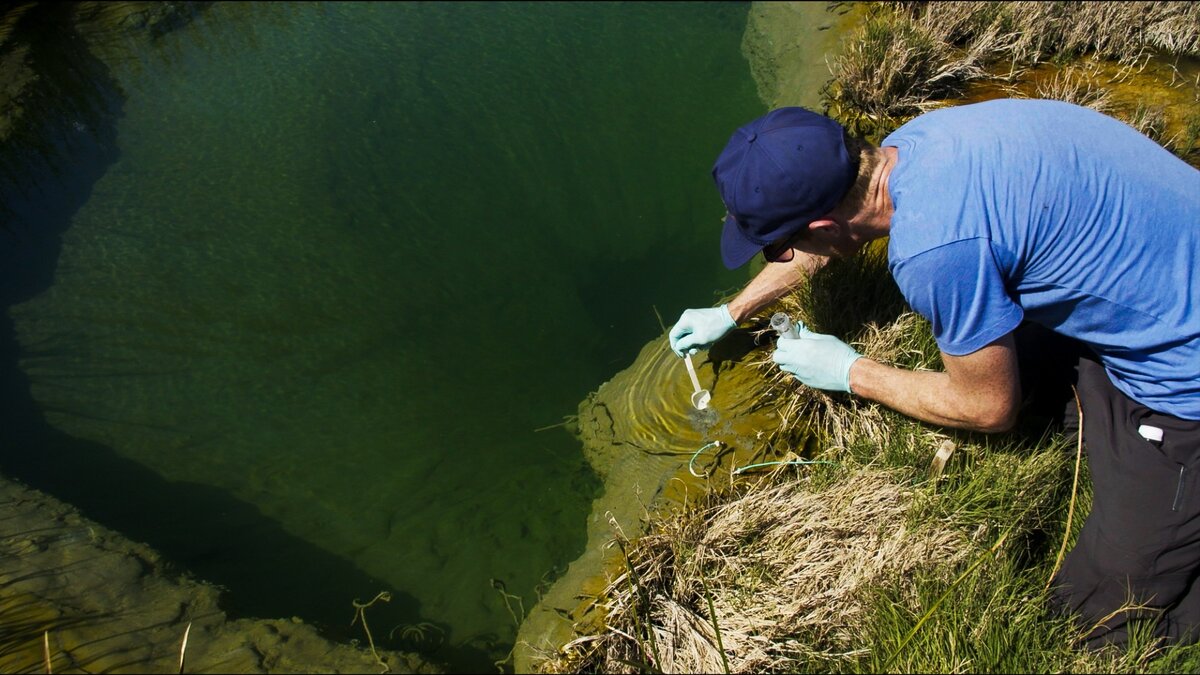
(47, 171)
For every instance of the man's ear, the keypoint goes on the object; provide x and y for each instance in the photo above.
(824, 229)
(829, 236)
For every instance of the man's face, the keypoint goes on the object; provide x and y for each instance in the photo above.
(824, 237)
(782, 250)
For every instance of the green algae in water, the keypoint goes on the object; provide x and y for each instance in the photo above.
(350, 256)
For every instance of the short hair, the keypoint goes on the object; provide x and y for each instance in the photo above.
(862, 154)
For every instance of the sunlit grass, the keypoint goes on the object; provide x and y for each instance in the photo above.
(908, 57)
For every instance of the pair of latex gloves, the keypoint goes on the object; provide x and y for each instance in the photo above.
(819, 361)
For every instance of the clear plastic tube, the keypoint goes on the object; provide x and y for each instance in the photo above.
(782, 324)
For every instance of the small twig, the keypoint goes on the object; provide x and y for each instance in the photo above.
(46, 650)
(504, 661)
(503, 591)
(361, 612)
(566, 420)
(183, 647)
(661, 325)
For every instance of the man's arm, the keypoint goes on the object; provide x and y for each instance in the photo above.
(773, 282)
(699, 328)
(980, 391)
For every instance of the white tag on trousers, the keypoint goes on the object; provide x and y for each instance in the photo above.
(1151, 433)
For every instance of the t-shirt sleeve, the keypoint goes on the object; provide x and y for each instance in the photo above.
(960, 289)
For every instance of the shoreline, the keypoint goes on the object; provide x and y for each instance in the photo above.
(642, 454)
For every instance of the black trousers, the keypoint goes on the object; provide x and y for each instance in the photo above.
(1141, 542)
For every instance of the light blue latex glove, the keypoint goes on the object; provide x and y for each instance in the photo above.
(699, 328)
(819, 361)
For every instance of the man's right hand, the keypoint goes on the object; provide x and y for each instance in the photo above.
(699, 328)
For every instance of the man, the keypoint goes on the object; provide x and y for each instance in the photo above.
(1007, 218)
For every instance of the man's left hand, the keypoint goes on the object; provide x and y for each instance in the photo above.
(819, 361)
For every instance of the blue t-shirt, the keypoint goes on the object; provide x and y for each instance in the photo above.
(1049, 212)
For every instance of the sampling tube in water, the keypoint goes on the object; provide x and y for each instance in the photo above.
(700, 397)
(782, 324)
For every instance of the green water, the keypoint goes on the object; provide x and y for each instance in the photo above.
(342, 263)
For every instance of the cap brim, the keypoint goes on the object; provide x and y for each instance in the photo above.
(736, 249)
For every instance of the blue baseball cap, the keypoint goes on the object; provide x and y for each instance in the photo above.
(778, 174)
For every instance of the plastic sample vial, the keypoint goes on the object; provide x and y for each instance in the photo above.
(782, 324)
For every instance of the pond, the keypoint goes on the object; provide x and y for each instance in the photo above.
(300, 294)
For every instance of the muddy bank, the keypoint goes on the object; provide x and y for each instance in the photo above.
(787, 46)
(105, 603)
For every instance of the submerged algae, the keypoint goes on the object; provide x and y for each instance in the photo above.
(787, 57)
(95, 601)
(253, 297)
(639, 432)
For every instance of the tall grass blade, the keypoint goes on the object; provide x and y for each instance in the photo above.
(712, 613)
(937, 603)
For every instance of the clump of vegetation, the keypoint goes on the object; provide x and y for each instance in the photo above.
(893, 67)
(908, 57)
(1076, 85)
(1033, 32)
(785, 571)
(913, 548)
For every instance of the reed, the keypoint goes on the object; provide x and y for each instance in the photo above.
(1151, 120)
(1185, 144)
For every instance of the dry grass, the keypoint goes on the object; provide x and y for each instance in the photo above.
(787, 569)
(908, 57)
(893, 67)
(856, 300)
(1078, 85)
(1037, 31)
